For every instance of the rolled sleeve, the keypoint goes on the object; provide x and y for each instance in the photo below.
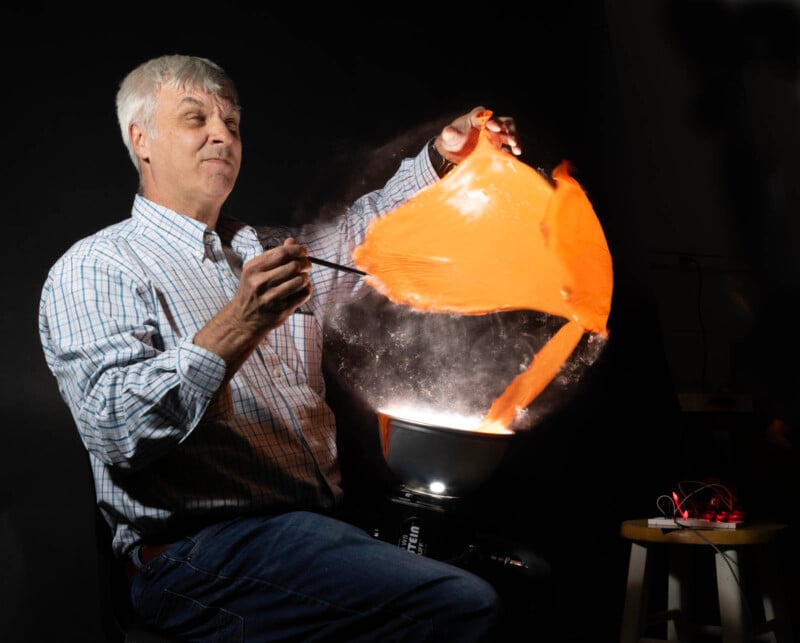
(200, 369)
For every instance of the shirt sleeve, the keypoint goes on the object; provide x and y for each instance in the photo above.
(130, 398)
(334, 241)
(413, 175)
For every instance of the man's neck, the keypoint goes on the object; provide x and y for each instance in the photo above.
(204, 212)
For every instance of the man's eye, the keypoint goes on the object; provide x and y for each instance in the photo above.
(233, 124)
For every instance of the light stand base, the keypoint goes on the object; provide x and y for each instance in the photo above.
(423, 525)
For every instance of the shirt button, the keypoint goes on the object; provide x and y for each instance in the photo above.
(276, 372)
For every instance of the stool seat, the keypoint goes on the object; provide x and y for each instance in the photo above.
(660, 562)
(744, 534)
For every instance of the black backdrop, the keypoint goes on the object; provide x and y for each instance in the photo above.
(323, 90)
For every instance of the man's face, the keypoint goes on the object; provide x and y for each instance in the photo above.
(192, 164)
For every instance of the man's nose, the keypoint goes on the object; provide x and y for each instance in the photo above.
(220, 130)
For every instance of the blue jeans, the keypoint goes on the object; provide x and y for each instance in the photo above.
(303, 576)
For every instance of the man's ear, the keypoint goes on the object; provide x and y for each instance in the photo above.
(140, 142)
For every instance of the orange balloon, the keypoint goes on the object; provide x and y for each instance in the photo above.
(495, 235)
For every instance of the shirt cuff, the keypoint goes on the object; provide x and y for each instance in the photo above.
(440, 164)
(200, 368)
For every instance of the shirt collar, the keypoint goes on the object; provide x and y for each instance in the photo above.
(183, 230)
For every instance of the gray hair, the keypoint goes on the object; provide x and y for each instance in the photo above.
(136, 98)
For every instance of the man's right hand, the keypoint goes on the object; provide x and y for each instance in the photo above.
(272, 286)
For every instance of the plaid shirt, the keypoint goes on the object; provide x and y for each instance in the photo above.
(168, 448)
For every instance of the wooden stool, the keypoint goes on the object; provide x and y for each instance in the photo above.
(650, 544)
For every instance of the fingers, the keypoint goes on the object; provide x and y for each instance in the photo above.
(284, 270)
(459, 138)
(275, 283)
(503, 131)
(477, 116)
(284, 254)
(453, 138)
(290, 241)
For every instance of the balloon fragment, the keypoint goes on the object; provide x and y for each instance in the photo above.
(495, 235)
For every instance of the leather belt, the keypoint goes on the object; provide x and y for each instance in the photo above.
(146, 554)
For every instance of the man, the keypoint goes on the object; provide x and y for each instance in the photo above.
(190, 358)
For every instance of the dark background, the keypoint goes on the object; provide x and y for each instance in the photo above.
(681, 119)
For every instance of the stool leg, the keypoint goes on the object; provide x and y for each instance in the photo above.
(732, 608)
(634, 615)
(773, 598)
(679, 594)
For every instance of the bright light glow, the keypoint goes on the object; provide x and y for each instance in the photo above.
(437, 487)
(445, 419)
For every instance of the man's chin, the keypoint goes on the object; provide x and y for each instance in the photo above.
(221, 183)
